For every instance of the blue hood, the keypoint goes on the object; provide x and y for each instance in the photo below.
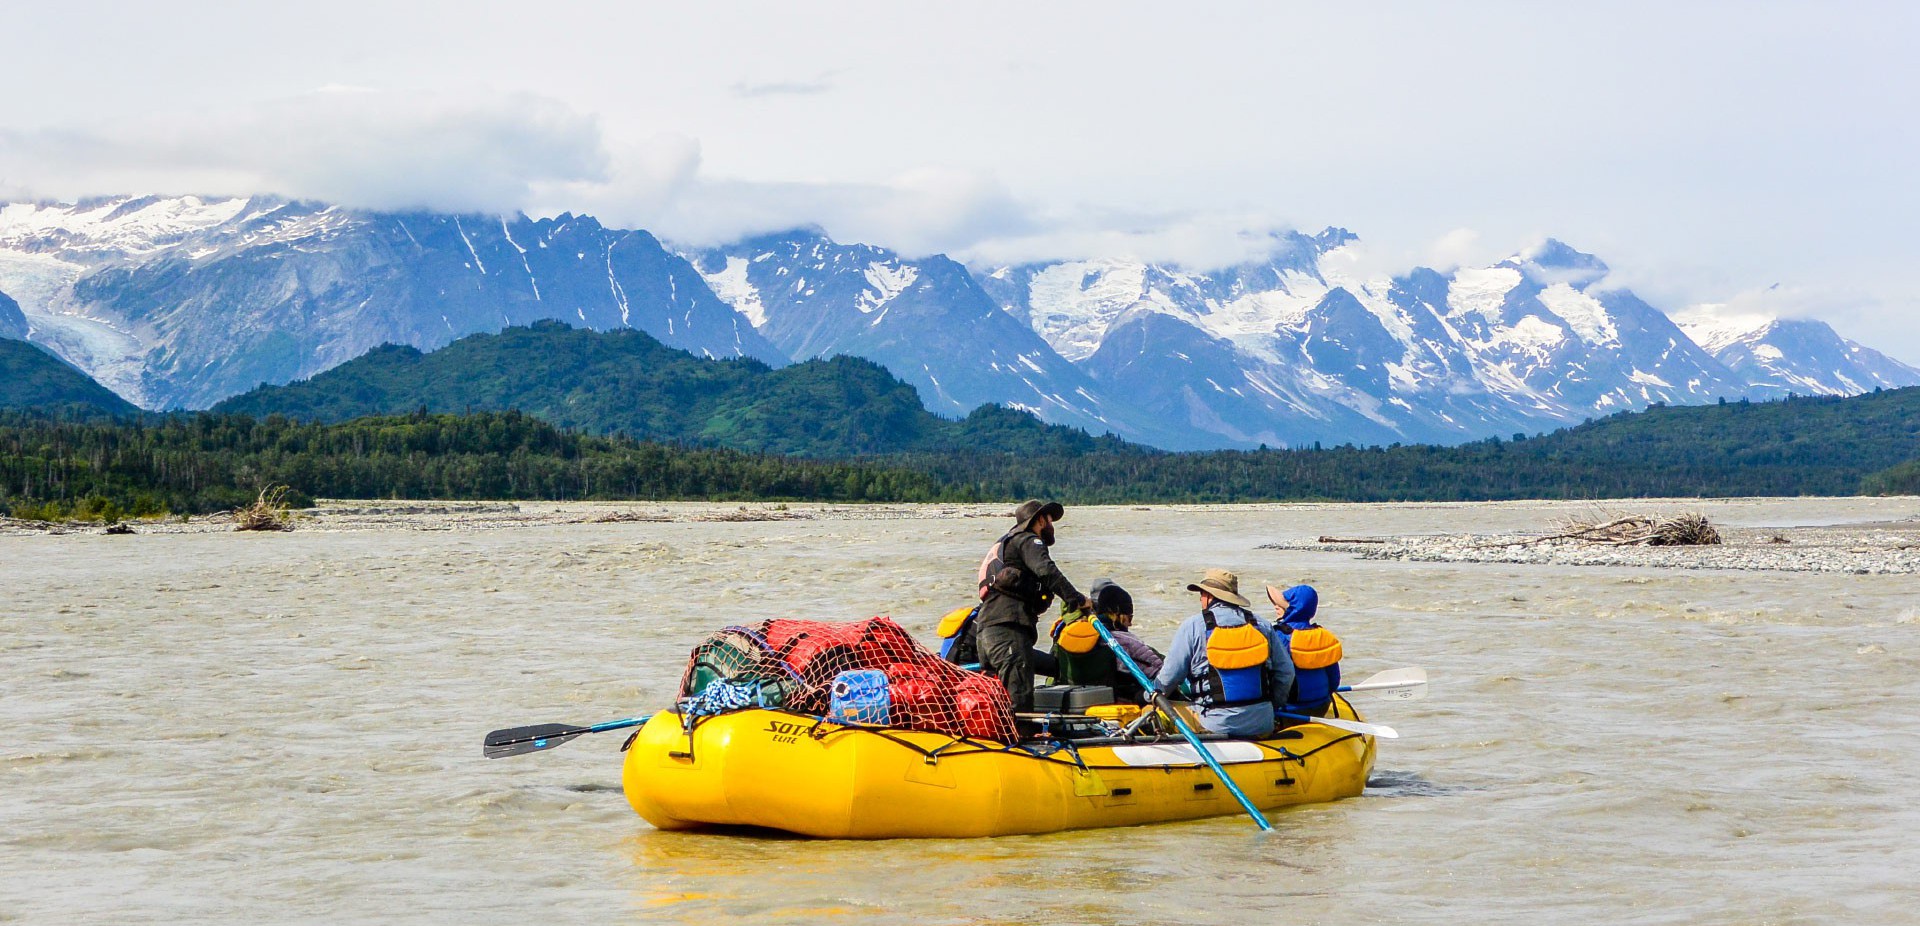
(1302, 603)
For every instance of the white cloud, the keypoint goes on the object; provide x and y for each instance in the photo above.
(523, 153)
(817, 84)
(356, 147)
(1373, 259)
(1200, 241)
(502, 153)
(917, 213)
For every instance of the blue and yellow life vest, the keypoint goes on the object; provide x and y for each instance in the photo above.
(954, 626)
(1236, 664)
(1316, 660)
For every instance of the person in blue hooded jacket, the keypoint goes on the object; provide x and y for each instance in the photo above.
(1315, 650)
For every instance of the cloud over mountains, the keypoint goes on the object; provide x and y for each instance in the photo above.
(512, 153)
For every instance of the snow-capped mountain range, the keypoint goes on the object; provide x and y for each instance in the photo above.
(183, 301)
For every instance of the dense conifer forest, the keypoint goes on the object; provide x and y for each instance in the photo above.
(60, 467)
(57, 465)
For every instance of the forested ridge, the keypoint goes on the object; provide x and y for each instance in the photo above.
(33, 378)
(57, 465)
(625, 382)
(1796, 446)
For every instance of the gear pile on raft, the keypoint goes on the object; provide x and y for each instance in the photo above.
(856, 730)
(869, 673)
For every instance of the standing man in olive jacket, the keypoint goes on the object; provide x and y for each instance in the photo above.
(1018, 583)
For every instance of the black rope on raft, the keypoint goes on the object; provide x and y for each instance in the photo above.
(1338, 739)
(823, 728)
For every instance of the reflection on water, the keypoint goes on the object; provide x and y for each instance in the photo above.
(234, 729)
(1389, 783)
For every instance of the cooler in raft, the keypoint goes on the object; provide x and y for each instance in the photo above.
(791, 772)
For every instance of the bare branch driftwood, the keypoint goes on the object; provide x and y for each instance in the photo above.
(1686, 530)
(269, 512)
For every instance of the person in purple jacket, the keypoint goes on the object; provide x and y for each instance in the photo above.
(1084, 659)
(1113, 602)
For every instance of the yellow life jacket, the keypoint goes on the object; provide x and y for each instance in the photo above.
(1314, 648)
(1238, 647)
(1078, 636)
(955, 620)
(1236, 664)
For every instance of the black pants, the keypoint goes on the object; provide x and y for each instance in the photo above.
(1006, 652)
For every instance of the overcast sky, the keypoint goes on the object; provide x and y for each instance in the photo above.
(1757, 154)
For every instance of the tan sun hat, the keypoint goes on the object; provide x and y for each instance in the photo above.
(1223, 585)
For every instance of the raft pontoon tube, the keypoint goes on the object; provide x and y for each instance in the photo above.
(793, 772)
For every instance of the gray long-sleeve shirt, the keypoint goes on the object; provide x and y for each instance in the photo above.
(1187, 659)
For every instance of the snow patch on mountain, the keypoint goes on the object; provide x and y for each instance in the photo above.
(1715, 331)
(1776, 356)
(1072, 304)
(730, 283)
(1481, 291)
(885, 281)
(1585, 314)
(113, 225)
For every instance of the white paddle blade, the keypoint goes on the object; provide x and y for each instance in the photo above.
(1394, 691)
(1392, 677)
(1410, 692)
(1354, 726)
(1396, 684)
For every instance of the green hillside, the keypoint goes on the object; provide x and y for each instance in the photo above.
(625, 382)
(32, 378)
(1897, 480)
(1799, 446)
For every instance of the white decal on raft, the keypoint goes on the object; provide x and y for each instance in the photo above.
(1184, 754)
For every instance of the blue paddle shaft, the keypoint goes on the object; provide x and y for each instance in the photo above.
(619, 724)
(1181, 725)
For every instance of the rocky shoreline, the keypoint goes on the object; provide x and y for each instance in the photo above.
(364, 515)
(1885, 548)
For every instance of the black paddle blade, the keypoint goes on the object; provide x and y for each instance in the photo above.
(522, 740)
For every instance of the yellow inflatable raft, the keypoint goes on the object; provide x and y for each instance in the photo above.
(784, 771)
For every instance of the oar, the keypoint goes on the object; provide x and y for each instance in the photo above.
(542, 736)
(1394, 684)
(1160, 701)
(1354, 726)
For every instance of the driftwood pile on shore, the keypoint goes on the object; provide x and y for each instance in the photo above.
(1686, 530)
(269, 512)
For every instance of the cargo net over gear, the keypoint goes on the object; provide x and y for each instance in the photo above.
(800, 666)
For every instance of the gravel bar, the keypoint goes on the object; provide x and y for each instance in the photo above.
(1864, 549)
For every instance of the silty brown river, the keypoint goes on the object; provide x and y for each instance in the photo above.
(231, 728)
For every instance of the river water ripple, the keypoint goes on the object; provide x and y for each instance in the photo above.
(229, 728)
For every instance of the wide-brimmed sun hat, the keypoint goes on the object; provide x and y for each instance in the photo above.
(1223, 585)
(1033, 508)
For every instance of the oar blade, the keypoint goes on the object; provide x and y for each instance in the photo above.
(1411, 675)
(522, 740)
(1409, 684)
(1414, 691)
(1354, 726)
